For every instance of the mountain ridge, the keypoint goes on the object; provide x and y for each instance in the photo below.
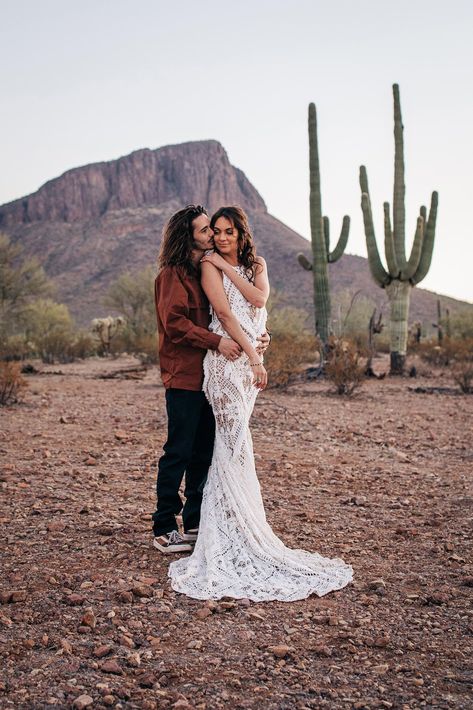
(94, 222)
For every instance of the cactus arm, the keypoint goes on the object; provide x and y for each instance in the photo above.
(428, 245)
(416, 252)
(364, 180)
(304, 261)
(326, 222)
(342, 242)
(378, 271)
(399, 210)
(389, 249)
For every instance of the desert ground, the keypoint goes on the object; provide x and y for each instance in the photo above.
(88, 618)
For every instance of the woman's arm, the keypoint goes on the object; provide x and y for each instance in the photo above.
(213, 287)
(255, 293)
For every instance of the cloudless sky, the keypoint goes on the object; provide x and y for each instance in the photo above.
(91, 80)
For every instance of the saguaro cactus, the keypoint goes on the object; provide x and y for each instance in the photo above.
(320, 232)
(402, 274)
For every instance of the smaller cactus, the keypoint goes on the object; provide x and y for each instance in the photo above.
(106, 329)
(320, 232)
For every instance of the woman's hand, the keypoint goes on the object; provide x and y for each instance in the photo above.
(216, 260)
(260, 376)
(263, 342)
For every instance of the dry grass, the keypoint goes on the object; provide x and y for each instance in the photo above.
(12, 383)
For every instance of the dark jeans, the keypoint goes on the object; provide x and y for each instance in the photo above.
(189, 448)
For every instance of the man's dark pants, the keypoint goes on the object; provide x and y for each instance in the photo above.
(189, 449)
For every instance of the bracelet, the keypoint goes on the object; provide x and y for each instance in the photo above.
(255, 364)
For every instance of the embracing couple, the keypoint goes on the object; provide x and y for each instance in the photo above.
(211, 292)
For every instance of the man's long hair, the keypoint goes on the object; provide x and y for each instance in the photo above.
(178, 239)
(246, 247)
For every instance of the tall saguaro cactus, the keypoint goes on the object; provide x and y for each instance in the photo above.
(402, 274)
(320, 232)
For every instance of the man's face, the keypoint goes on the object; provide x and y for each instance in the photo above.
(202, 234)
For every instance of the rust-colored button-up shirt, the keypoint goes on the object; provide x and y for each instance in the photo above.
(183, 316)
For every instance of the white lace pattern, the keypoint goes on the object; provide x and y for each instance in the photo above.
(236, 553)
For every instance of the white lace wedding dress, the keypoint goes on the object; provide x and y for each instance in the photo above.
(236, 553)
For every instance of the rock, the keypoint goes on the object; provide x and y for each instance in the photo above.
(83, 701)
(377, 584)
(142, 590)
(125, 597)
(381, 668)
(102, 650)
(203, 613)
(108, 700)
(134, 660)
(74, 599)
(5, 597)
(127, 641)
(90, 461)
(18, 596)
(280, 651)
(66, 646)
(195, 644)
(88, 619)
(111, 666)
(121, 435)
(147, 680)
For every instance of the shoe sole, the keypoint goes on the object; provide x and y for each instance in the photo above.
(189, 537)
(169, 549)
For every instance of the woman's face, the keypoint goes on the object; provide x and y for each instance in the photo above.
(225, 237)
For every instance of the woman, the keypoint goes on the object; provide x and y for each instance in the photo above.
(236, 553)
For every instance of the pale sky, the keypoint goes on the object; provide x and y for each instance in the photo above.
(90, 80)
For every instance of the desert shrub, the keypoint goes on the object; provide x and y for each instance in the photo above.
(145, 347)
(22, 280)
(462, 374)
(83, 345)
(49, 327)
(14, 347)
(12, 383)
(450, 351)
(460, 325)
(132, 295)
(292, 345)
(288, 355)
(343, 366)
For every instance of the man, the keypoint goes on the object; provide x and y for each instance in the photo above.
(183, 319)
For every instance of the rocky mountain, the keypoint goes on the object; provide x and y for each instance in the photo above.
(95, 222)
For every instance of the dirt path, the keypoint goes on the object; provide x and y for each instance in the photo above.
(382, 480)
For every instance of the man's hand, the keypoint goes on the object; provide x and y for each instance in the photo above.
(216, 260)
(264, 340)
(229, 349)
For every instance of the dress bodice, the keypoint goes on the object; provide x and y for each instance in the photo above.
(251, 319)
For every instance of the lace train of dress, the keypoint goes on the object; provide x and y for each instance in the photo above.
(236, 553)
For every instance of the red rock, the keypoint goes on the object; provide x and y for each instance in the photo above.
(83, 701)
(101, 651)
(203, 613)
(88, 619)
(111, 666)
(18, 596)
(142, 590)
(280, 651)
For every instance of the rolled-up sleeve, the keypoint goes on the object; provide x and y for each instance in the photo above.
(173, 310)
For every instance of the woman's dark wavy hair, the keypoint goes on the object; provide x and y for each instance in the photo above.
(178, 239)
(246, 247)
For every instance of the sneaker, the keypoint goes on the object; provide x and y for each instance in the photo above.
(172, 542)
(190, 535)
